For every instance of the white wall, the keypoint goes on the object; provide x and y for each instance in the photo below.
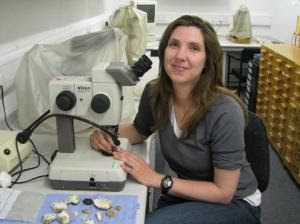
(24, 18)
(26, 23)
(284, 19)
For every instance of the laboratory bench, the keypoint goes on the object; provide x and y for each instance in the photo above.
(46, 145)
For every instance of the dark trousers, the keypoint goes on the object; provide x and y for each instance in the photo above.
(173, 210)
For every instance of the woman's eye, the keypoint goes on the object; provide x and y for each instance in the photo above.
(173, 44)
(195, 48)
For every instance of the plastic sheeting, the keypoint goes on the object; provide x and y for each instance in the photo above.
(133, 23)
(241, 24)
(74, 57)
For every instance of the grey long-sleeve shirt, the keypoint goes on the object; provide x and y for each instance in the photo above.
(217, 141)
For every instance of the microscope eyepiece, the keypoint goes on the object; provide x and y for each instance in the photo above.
(141, 66)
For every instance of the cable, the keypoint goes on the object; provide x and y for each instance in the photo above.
(2, 98)
(21, 164)
(27, 169)
(23, 136)
(39, 160)
(43, 115)
(34, 178)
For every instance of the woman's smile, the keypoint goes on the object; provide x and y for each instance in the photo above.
(179, 68)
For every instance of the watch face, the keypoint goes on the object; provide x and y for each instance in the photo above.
(167, 182)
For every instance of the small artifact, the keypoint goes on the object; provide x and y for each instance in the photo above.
(111, 213)
(102, 203)
(47, 218)
(74, 214)
(86, 211)
(118, 208)
(58, 206)
(63, 217)
(72, 199)
(99, 216)
(89, 221)
(88, 201)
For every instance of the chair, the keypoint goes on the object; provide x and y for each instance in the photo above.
(241, 71)
(257, 150)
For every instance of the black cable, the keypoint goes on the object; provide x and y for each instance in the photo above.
(39, 160)
(43, 115)
(2, 98)
(25, 181)
(23, 136)
(21, 164)
(27, 169)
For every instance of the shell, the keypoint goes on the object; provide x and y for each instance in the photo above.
(85, 211)
(47, 218)
(63, 217)
(99, 216)
(102, 203)
(74, 214)
(58, 206)
(72, 199)
(89, 221)
(118, 208)
(111, 213)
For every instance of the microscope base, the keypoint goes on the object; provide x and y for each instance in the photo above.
(87, 169)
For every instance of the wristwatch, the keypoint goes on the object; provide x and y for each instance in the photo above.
(166, 184)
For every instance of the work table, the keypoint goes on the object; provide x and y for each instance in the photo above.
(46, 144)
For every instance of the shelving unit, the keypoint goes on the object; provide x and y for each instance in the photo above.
(278, 101)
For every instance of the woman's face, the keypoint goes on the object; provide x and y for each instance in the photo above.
(185, 56)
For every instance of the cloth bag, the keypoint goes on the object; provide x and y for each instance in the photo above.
(133, 23)
(240, 27)
(73, 57)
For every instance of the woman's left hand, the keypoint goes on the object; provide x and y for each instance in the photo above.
(138, 168)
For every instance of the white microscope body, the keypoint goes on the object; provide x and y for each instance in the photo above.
(98, 99)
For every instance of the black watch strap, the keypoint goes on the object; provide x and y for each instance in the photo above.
(166, 184)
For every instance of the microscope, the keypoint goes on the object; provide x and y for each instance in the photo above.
(97, 99)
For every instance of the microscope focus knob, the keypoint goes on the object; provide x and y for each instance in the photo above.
(65, 100)
(100, 103)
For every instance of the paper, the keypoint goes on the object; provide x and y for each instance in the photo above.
(127, 214)
(7, 198)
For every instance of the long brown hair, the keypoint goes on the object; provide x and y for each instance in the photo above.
(209, 83)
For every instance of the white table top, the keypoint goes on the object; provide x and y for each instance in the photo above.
(226, 45)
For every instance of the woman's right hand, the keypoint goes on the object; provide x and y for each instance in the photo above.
(101, 141)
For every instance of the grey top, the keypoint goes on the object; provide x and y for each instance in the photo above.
(217, 141)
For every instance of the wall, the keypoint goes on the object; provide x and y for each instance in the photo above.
(284, 19)
(26, 23)
(24, 18)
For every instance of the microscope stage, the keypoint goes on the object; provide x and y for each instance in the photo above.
(87, 169)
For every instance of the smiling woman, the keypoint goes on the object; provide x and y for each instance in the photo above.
(201, 131)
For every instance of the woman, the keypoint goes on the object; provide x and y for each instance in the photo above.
(201, 129)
